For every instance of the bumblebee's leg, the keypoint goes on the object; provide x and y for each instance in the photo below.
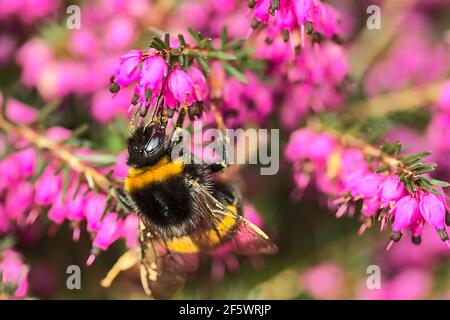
(124, 200)
(177, 134)
(223, 144)
(228, 194)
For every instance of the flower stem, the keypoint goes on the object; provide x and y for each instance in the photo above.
(408, 99)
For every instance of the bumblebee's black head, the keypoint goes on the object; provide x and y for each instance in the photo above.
(146, 146)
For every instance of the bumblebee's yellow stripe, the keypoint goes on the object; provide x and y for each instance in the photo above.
(140, 177)
(212, 237)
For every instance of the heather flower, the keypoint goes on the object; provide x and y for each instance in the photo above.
(58, 134)
(26, 11)
(120, 170)
(154, 69)
(414, 59)
(105, 107)
(25, 160)
(19, 201)
(370, 207)
(48, 187)
(130, 230)
(58, 211)
(20, 112)
(84, 43)
(369, 185)
(93, 211)
(307, 15)
(121, 33)
(33, 57)
(108, 232)
(200, 84)
(443, 102)
(433, 209)
(128, 70)
(345, 174)
(298, 144)
(14, 274)
(391, 190)
(405, 211)
(181, 86)
(324, 281)
(75, 208)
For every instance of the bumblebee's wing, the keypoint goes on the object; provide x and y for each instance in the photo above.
(226, 227)
(161, 274)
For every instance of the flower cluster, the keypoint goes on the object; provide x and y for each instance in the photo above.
(438, 131)
(317, 83)
(82, 66)
(373, 184)
(27, 12)
(282, 17)
(415, 59)
(37, 182)
(155, 84)
(308, 78)
(174, 74)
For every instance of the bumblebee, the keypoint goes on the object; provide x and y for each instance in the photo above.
(184, 209)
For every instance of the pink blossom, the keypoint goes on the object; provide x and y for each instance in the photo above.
(93, 210)
(391, 190)
(121, 32)
(405, 211)
(58, 134)
(14, 272)
(84, 43)
(443, 102)
(370, 185)
(261, 11)
(292, 13)
(154, 69)
(108, 232)
(432, 209)
(320, 147)
(128, 70)
(370, 207)
(33, 57)
(298, 144)
(120, 170)
(199, 82)
(324, 281)
(105, 107)
(25, 161)
(181, 86)
(20, 112)
(76, 203)
(48, 187)
(130, 230)
(19, 201)
(58, 211)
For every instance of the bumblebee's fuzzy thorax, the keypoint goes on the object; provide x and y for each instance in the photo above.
(164, 169)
